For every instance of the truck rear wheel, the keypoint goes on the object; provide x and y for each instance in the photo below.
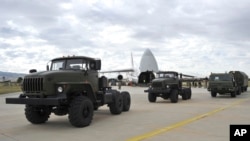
(184, 94)
(81, 111)
(126, 101)
(37, 114)
(189, 93)
(174, 96)
(116, 106)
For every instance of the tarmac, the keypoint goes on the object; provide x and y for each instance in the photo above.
(202, 118)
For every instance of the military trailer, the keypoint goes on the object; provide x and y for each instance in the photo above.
(241, 79)
(223, 83)
(168, 85)
(71, 85)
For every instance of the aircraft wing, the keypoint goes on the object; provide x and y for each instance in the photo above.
(122, 70)
(187, 75)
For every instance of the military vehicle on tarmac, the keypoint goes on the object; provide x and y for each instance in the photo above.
(241, 79)
(223, 83)
(71, 85)
(168, 84)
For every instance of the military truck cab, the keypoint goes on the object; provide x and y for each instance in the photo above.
(223, 83)
(241, 79)
(71, 85)
(168, 85)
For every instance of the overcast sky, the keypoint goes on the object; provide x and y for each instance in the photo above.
(189, 36)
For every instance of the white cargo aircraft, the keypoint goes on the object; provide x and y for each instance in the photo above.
(147, 69)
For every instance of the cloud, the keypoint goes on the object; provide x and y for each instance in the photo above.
(192, 36)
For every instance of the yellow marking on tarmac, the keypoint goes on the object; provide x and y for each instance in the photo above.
(182, 123)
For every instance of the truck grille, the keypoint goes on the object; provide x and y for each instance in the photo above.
(32, 85)
(157, 84)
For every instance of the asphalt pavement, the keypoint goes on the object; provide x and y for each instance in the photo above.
(202, 118)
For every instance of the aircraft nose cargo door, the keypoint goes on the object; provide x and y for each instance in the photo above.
(146, 77)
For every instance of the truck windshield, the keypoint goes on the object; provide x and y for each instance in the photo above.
(166, 75)
(69, 64)
(220, 78)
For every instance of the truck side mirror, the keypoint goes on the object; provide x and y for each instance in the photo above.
(32, 71)
(95, 65)
(47, 67)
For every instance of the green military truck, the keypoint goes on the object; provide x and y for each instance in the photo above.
(223, 83)
(241, 79)
(168, 85)
(71, 85)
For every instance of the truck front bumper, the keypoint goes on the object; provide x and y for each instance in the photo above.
(222, 90)
(154, 90)
(37, 101)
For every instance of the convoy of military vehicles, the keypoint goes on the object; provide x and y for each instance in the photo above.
(72, 85)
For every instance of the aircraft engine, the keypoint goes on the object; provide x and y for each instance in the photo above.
(119, 77)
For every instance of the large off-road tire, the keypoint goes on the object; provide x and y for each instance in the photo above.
(189, 93)
(37, 114)
(184, 94)
(233, 94)
(213, 94)
(151, 97)
(174, 96)
(116, 106)
(239, 91)
(126, 101)
(81, 111)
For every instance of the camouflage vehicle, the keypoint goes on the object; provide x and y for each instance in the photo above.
(223, 83)
(241, 79)
(71, 85)
(168, 84)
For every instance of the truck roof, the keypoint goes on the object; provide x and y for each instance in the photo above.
(239, 72)
(167, 72)
(74, 57)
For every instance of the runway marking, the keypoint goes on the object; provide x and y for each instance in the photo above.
(182, 123)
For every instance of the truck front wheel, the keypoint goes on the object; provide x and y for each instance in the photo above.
(81, 111)
(174, 96)
(37, 114)
(151, 97)
(213, 94)
(233, 94)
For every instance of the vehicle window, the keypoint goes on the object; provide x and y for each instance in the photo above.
(58, 65)
(216, 78)
(170, 75)
(76, 64)
(161, 75)
(220, 78)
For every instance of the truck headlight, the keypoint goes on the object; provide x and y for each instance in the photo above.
(60, 89)
(167, 86)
